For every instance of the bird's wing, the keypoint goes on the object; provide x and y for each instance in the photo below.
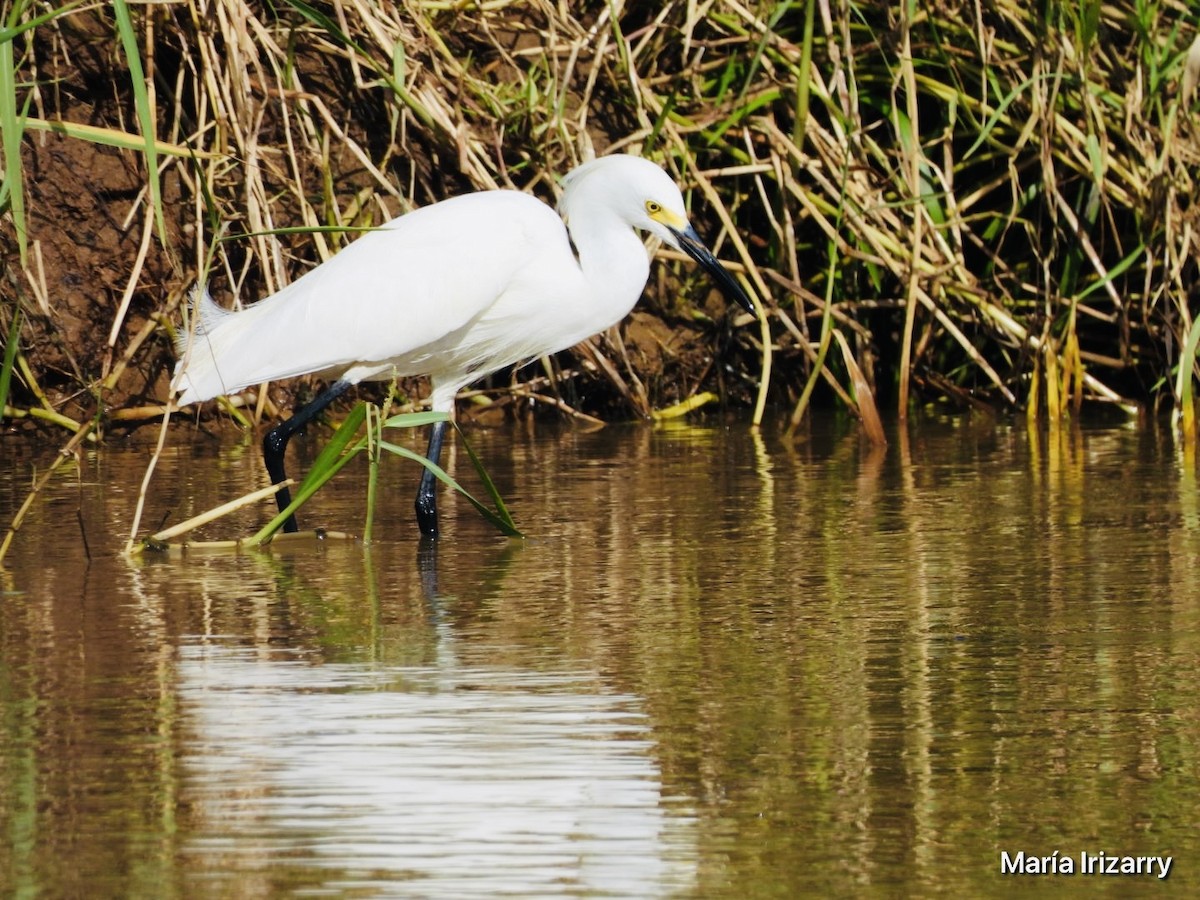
(385, 300)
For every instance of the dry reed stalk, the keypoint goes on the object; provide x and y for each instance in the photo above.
(217, 512)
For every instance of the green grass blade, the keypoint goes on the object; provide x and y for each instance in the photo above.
(145, 114)
(1183, 389)
(414, 420)
(502, 523)
(804, 78)
(13, 130)
(303, 494)
(333, 451)
(998, 115)
(328, 463)
(14, 30)
(113, 137)
(501, 519)
(509, 526)
(1113, 273)
(374, 436)
(323, 21)
(10, 356)
(374, 452)
(300, 229)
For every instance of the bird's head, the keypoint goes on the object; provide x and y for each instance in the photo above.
(646, 197)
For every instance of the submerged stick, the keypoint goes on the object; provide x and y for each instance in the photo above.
(315, 534)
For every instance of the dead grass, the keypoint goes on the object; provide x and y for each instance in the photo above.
(985, 205)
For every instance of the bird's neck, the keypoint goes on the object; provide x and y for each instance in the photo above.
(614, 264)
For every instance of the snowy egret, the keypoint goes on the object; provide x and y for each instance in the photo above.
(454, 291)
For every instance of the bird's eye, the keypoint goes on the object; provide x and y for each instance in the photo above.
(653, 208)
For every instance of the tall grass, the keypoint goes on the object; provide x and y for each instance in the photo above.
(986, 202)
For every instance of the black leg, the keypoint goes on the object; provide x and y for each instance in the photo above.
(276, 440)
(427, 493)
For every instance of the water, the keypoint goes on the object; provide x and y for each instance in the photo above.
(720, 665)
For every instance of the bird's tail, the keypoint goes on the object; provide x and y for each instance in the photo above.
(205, 314)
(196, 366)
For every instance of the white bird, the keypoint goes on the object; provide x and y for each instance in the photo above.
(454, 291)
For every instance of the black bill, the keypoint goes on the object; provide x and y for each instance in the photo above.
(691, 244)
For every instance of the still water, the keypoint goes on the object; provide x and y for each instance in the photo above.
(720, 665)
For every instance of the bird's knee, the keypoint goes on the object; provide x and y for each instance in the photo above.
(427, 517)
(274, 443)
(273, 446)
